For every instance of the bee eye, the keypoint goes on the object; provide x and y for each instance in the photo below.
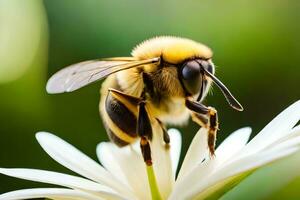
(210, 69)
(207, 65)
(190, 70)
(191, 77)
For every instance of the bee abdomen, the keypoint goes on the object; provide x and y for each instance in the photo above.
(112, 136)
(120, 121)
(121, 115)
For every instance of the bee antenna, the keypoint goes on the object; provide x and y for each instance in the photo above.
(229, 97)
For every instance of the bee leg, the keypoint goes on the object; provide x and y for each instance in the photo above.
(144, 130)
(206, 117)
(200, 119)
(122, 96)
(166, 136)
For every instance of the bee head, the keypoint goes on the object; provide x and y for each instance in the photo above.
(194, 76)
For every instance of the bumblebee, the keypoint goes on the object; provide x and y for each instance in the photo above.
(164, 81)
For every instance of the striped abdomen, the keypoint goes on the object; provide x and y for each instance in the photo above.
(119, 116)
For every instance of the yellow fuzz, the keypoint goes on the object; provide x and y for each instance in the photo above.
(172, 49)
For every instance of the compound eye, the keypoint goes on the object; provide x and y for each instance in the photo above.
(210, 68)
(191, 77)
(190, 70)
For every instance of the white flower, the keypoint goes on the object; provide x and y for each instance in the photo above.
(124, 175)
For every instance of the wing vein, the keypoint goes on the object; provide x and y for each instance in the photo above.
(81, 74)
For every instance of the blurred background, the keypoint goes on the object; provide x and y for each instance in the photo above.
(256, 47)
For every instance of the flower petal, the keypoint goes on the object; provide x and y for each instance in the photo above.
(162, 163)
(232, 145)
(201, 171)
(268, 181)
(48, 193)
(239, 167)
(194, 175)
(288, 143)
(70, 157)
(275, 130)
(227, 148)
(127, 164)
(175, 147)
(197, 151)
(116, 160)
(253, 162)
(295, 132)
(110, 160)
(61, 180)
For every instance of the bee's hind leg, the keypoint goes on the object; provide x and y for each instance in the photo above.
(144, 130)
(206, 117)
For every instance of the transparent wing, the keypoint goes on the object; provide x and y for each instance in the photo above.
(81, 74)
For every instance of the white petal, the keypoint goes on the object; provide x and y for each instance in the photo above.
(197, 151)
(197, 173)
(235, 168)
(116, 160)
(201, 171)
(61, 180)
(275, 130)
(48, 193)
(110, 160)
(287, 144)
(175, 147)
(161, 162)
(128, 165)
(254, 161)
(295, 132)
(70, 157)
(232, 145)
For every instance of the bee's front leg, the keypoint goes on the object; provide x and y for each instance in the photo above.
(206, 117)
(144, 130)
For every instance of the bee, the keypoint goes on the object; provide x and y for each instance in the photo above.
(165, 80)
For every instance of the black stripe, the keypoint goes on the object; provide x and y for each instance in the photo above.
(121, 115)
(115, 139)
(213, 121)
(146, 151)
(144, 125)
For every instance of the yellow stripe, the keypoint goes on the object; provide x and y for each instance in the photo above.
(130, 106)
(116, 130)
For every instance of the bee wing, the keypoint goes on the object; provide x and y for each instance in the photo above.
(81, 74)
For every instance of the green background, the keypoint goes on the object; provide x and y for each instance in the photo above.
(256, 47)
